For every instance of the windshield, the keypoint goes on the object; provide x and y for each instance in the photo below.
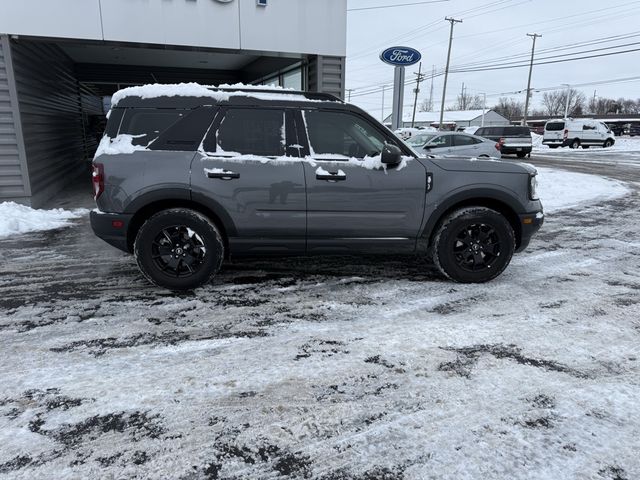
(420, 140)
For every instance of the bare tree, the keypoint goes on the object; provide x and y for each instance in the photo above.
(426, 105)
(554, 102)
(467, 101)
(509, 108)
(602, 106)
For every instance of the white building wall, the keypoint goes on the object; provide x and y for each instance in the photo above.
(296, 26)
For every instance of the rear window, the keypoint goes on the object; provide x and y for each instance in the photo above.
(516, 131)
(489, 131)
(554, 126)
(146, 124)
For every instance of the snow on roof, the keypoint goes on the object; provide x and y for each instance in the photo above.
(220, 93)
(449, 116)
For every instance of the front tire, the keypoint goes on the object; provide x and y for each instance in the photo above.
(575, 143)
(608, 143)
(473, 245)
(179, 249)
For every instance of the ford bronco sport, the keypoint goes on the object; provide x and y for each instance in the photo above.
(187, 176)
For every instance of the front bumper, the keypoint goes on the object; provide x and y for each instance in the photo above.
(111, 227)
(530, 223)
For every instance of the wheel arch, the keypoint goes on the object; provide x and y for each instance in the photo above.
(213, 212)
(494, 200)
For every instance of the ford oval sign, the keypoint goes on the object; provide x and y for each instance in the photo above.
(400, 56)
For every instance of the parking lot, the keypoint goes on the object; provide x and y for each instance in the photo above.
(342, 368)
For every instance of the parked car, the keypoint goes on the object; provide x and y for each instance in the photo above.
(406, 133)
(454, 143)
(513, 140)
(572, 133)
(187, 176)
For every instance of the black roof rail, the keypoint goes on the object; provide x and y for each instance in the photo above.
(308, 95)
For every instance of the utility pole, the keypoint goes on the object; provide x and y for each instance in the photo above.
(566, 103)
(419, 77)
(383, 89)
(453, 21)
(433, 74)
(526, 103)
(462, 100)
(484, 107)
(349, 90)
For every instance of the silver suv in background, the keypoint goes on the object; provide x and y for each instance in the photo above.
(512, 140)
(188, 176)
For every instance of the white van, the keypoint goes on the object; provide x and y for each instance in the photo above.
(572, 133)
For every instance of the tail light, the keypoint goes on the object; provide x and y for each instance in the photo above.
(97, 178)
(566, 134)
(501, 141)
(498, 146)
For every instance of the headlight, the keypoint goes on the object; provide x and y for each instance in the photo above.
(533, 187)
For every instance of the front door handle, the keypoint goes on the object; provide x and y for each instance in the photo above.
(332, 176)
(223, 175)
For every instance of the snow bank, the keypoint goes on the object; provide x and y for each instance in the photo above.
(559, 189)
(17, 219)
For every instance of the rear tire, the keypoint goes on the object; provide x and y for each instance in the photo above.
(473, 245)
(608, 143)
(521, 154)
(585, 146)
(553, 146)
(575, 143)
(179, 249)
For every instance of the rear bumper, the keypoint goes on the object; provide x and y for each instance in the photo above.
(530, 223)
(559, 143)
(511, 149)
(111, 227)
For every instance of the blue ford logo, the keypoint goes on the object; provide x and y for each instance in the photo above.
(400, 56)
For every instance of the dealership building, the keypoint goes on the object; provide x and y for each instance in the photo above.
(61, 60)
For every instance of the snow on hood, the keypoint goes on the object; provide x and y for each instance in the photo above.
(17, 219)
(219, 94)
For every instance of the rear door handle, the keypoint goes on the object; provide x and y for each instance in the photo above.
(332, 176)
(226, 175)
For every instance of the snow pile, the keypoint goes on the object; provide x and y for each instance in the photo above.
(17, 219)
(536, 140)
(559, 189)
(123, 143)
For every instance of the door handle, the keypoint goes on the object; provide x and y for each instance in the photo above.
(332, 176)
(225, 175)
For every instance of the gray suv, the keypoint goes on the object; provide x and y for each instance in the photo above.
(186, 177)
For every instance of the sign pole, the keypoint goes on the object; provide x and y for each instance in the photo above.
(398, 97)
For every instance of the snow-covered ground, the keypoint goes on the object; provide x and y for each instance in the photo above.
(16, 219)
(342, 368)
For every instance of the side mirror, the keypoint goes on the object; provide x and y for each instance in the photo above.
(391, 155)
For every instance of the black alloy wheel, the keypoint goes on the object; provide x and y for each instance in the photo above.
(473, 245)
(477, 247)
(179, 249)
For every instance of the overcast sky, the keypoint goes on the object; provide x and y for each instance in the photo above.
(493, 29)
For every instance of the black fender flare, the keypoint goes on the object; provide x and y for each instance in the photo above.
(485, 196)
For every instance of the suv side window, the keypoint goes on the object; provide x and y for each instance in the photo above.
(342, 133)
(249, 131)
(146, 124)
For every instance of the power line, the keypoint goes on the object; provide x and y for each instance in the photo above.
(393, 6)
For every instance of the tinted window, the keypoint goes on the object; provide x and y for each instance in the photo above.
(441, 141)
(517, 131)
(146, 124)
(343, 134)
(463, 140)
(186, 134)
(420, 140)
(554, 126)
(249, 132)
(588, 127)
